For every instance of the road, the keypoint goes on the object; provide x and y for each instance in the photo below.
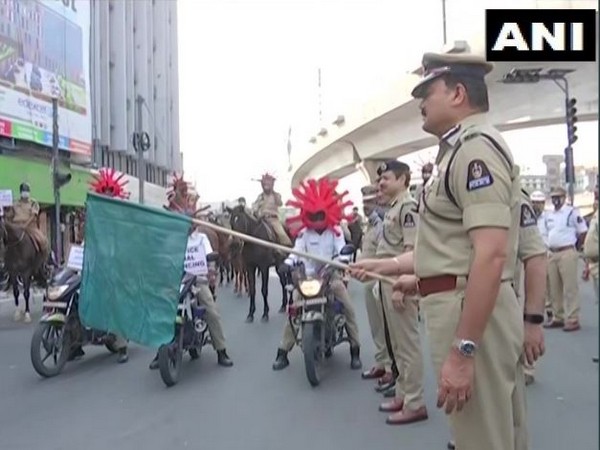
(97, 404)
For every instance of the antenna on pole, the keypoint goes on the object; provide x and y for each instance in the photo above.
(320, 97)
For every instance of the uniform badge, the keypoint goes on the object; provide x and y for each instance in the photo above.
(527, 216)
(409, 221)
(478, 176)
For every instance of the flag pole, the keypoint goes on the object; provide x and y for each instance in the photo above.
(284, 249)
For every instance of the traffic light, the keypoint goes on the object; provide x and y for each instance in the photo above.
(60, 179)
(571, 120)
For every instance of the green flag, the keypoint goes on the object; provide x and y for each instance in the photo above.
(132, 269)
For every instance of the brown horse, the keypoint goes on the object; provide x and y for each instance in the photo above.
(240, 275)
(22, 257)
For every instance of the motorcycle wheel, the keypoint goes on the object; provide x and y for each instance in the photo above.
(51, 339)
(311, 347)
(170, 357)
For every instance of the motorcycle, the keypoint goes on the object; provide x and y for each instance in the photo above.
(317, 316)
(191, 329)
(59, 332)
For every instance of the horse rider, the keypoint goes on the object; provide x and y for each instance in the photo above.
(266, 207)
(204, 296)
(24, 213)
(320, 236)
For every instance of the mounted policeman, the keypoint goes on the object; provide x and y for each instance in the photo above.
(266, 207)
(24, 213)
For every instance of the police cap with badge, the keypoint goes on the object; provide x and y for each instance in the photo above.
(369, 193)
(461, 66)
(392, 165)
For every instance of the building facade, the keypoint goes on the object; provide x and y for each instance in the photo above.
(134, 53)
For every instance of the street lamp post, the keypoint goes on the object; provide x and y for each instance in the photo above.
(558, 76)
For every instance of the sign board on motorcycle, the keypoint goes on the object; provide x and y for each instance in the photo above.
(6, 198)
(195, 255)
(75, 261)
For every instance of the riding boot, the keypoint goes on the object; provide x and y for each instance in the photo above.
(154, 363)
(355, 362)
(281, 361)
(223, 359)
(123, 356)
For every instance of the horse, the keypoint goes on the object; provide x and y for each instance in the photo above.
(258, 257)
(225, 266)
(23, 258)
(240, 276)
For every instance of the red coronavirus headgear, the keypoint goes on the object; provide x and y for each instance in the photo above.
(320, 205)
(108, 183)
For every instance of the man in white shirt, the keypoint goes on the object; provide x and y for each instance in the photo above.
(326, 243)
(196, 264)
(566, 231)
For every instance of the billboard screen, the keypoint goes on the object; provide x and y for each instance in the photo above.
(44, 53)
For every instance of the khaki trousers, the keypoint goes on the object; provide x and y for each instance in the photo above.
(563, 286)
(375, 316)
(495, 416)
(406, 345)
(213, 319)
(282, 236)
(341, 293)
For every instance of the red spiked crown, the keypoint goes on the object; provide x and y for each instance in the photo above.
(108, 183)
(267, 177)
(320, 205)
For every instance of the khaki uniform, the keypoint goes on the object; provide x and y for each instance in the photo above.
(213, 318)
(25, 213)
(564, 226)
(483, 192)
(590, 250)
(266, 207)
(530, 244)
(399, 230)
(373, 304)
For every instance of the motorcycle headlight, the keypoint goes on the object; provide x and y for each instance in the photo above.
(55, 292)
(310, 288)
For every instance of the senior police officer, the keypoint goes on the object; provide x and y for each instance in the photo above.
(370, 240)
(464, 258)
(590, 247)
(398, 236)
(566, 230)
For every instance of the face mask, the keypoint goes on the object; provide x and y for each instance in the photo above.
(557, 202)
(24, 195)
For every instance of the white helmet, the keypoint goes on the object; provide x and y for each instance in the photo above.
(537, 196)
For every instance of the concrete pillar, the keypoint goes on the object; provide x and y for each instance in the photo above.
(553, 172)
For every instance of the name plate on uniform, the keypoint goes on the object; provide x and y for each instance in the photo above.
(75, 261)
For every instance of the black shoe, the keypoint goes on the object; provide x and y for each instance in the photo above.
(223, 359)
(355, 362)
(595, 359)
(390, 392)
(281, 361)
(451, 445)
(154, 363)
(123, 356)
(76, 353)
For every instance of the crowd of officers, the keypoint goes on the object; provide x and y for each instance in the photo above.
(472, 254)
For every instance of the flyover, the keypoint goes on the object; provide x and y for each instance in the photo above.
(390, 125)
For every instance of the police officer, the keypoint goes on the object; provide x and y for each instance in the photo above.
(398, 236)
(267, 206)
(566, 230)
(24, 213)
(426, 172)
(538, 203)
(370, 240)
(464, 258)
(591, 252)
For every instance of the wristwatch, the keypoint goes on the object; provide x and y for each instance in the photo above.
(535, 319)
(465, 347)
